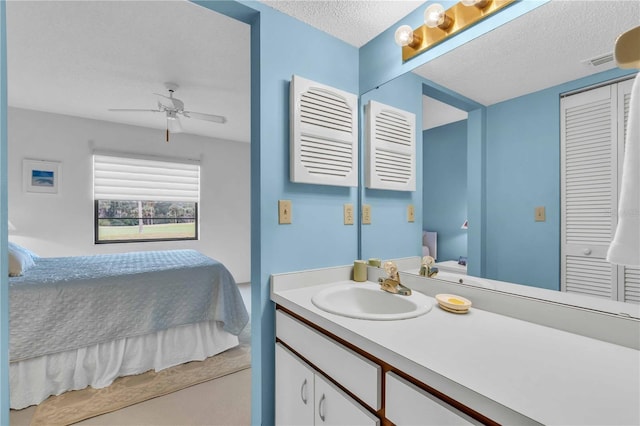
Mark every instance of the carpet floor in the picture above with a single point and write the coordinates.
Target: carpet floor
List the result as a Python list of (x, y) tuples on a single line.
[(75, 406)]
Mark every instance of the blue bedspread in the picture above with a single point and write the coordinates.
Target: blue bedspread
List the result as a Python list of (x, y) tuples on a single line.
[(66, 303)]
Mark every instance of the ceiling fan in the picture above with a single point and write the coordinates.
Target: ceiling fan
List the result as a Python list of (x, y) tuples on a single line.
[(173, 108)]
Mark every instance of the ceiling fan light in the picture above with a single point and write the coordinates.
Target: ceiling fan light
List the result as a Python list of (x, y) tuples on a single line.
[(173, 124)]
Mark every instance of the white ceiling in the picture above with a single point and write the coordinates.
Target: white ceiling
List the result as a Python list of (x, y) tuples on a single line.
[(544, 48), (353, 21), (82, 58)]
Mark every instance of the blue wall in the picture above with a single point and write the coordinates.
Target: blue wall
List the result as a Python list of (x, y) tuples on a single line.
[(522, 172), (444, 189), (317, 237), (390, 235)]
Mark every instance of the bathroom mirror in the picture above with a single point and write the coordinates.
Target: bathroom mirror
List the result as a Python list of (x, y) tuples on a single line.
[(522, 170)]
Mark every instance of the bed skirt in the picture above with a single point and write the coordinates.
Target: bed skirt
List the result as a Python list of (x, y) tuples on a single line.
[(34, 380)]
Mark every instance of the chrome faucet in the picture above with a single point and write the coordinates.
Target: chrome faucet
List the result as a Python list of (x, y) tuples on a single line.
[(392, 283)]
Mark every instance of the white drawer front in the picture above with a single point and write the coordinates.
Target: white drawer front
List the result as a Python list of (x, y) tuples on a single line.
[(356, 373), (407, 404)]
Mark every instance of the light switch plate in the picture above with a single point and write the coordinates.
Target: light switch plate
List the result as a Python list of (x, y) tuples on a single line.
[(348, 214), (284, 212), (366, 214), (540, 214), (411, 213)]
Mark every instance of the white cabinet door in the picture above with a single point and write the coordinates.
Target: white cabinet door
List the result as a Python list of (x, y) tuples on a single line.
[(334, 407), (294, 389), (408, 405), (593, 129)]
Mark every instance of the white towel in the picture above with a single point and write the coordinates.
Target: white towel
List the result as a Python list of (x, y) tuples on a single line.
[(625, 247)]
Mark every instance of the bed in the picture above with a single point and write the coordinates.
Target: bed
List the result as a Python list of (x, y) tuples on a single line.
[(86, 320)]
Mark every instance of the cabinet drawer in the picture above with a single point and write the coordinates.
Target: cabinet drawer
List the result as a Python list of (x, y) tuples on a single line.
[(356, 373), (407, 404)]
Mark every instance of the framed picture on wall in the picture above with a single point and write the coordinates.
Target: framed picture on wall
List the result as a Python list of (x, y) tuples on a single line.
[(41, 177)]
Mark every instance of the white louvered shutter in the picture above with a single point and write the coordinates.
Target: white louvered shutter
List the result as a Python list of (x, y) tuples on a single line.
[(390, 155), (130, 177), (628, 277), (589, 191), (324, 134)]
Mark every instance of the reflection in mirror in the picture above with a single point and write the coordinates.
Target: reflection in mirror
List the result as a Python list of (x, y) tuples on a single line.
[(502, 162)]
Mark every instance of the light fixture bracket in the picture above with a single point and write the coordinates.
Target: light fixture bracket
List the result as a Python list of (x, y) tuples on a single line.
[(463, 17)]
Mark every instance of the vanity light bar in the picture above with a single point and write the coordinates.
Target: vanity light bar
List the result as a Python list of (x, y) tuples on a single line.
[(460, 17)]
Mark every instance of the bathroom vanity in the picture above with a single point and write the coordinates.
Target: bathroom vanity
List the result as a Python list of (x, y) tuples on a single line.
[(442, 368)]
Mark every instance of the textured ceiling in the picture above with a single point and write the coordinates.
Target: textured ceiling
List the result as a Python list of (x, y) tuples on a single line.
[(544, 48), (353, 21), (83, 57)]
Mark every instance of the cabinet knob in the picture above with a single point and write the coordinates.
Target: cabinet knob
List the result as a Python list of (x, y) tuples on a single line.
[(321, 408), (586, 251), (303, 392)]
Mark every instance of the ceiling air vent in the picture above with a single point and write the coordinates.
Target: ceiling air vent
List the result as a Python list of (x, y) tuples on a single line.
[(391, 148), (600, 60), (324, 134)]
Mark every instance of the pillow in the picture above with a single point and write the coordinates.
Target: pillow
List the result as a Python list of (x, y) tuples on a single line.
[(16, 247), (19, 262)]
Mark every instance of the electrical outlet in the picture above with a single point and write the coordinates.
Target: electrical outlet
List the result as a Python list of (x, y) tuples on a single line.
[(284, 211), (348, 214), (366, 214), (540, 214), (411, 213)]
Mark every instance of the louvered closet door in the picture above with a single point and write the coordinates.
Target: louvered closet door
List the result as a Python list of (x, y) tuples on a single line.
[(628, 277), (589, 191)]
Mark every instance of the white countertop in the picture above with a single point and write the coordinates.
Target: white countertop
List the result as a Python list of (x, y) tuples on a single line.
[(548, 375)]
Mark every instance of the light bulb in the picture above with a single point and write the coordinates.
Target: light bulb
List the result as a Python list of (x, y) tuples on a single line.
[(404, 35), (480, 4), (435, 16)]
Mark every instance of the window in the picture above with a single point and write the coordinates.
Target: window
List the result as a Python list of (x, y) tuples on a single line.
[(144, 199)]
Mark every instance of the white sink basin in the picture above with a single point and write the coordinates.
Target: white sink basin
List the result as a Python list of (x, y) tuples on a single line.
[(367, 301)]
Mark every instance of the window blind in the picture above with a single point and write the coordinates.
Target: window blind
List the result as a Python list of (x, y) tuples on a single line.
[(134, 178)]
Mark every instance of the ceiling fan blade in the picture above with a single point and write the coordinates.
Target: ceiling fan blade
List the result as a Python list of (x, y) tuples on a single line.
[(133, 110), (207, 117), (173, 124)]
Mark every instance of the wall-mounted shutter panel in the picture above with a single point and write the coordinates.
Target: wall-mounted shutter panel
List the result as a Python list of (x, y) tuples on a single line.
[(134, 178), (390, 148), (324, 134)]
